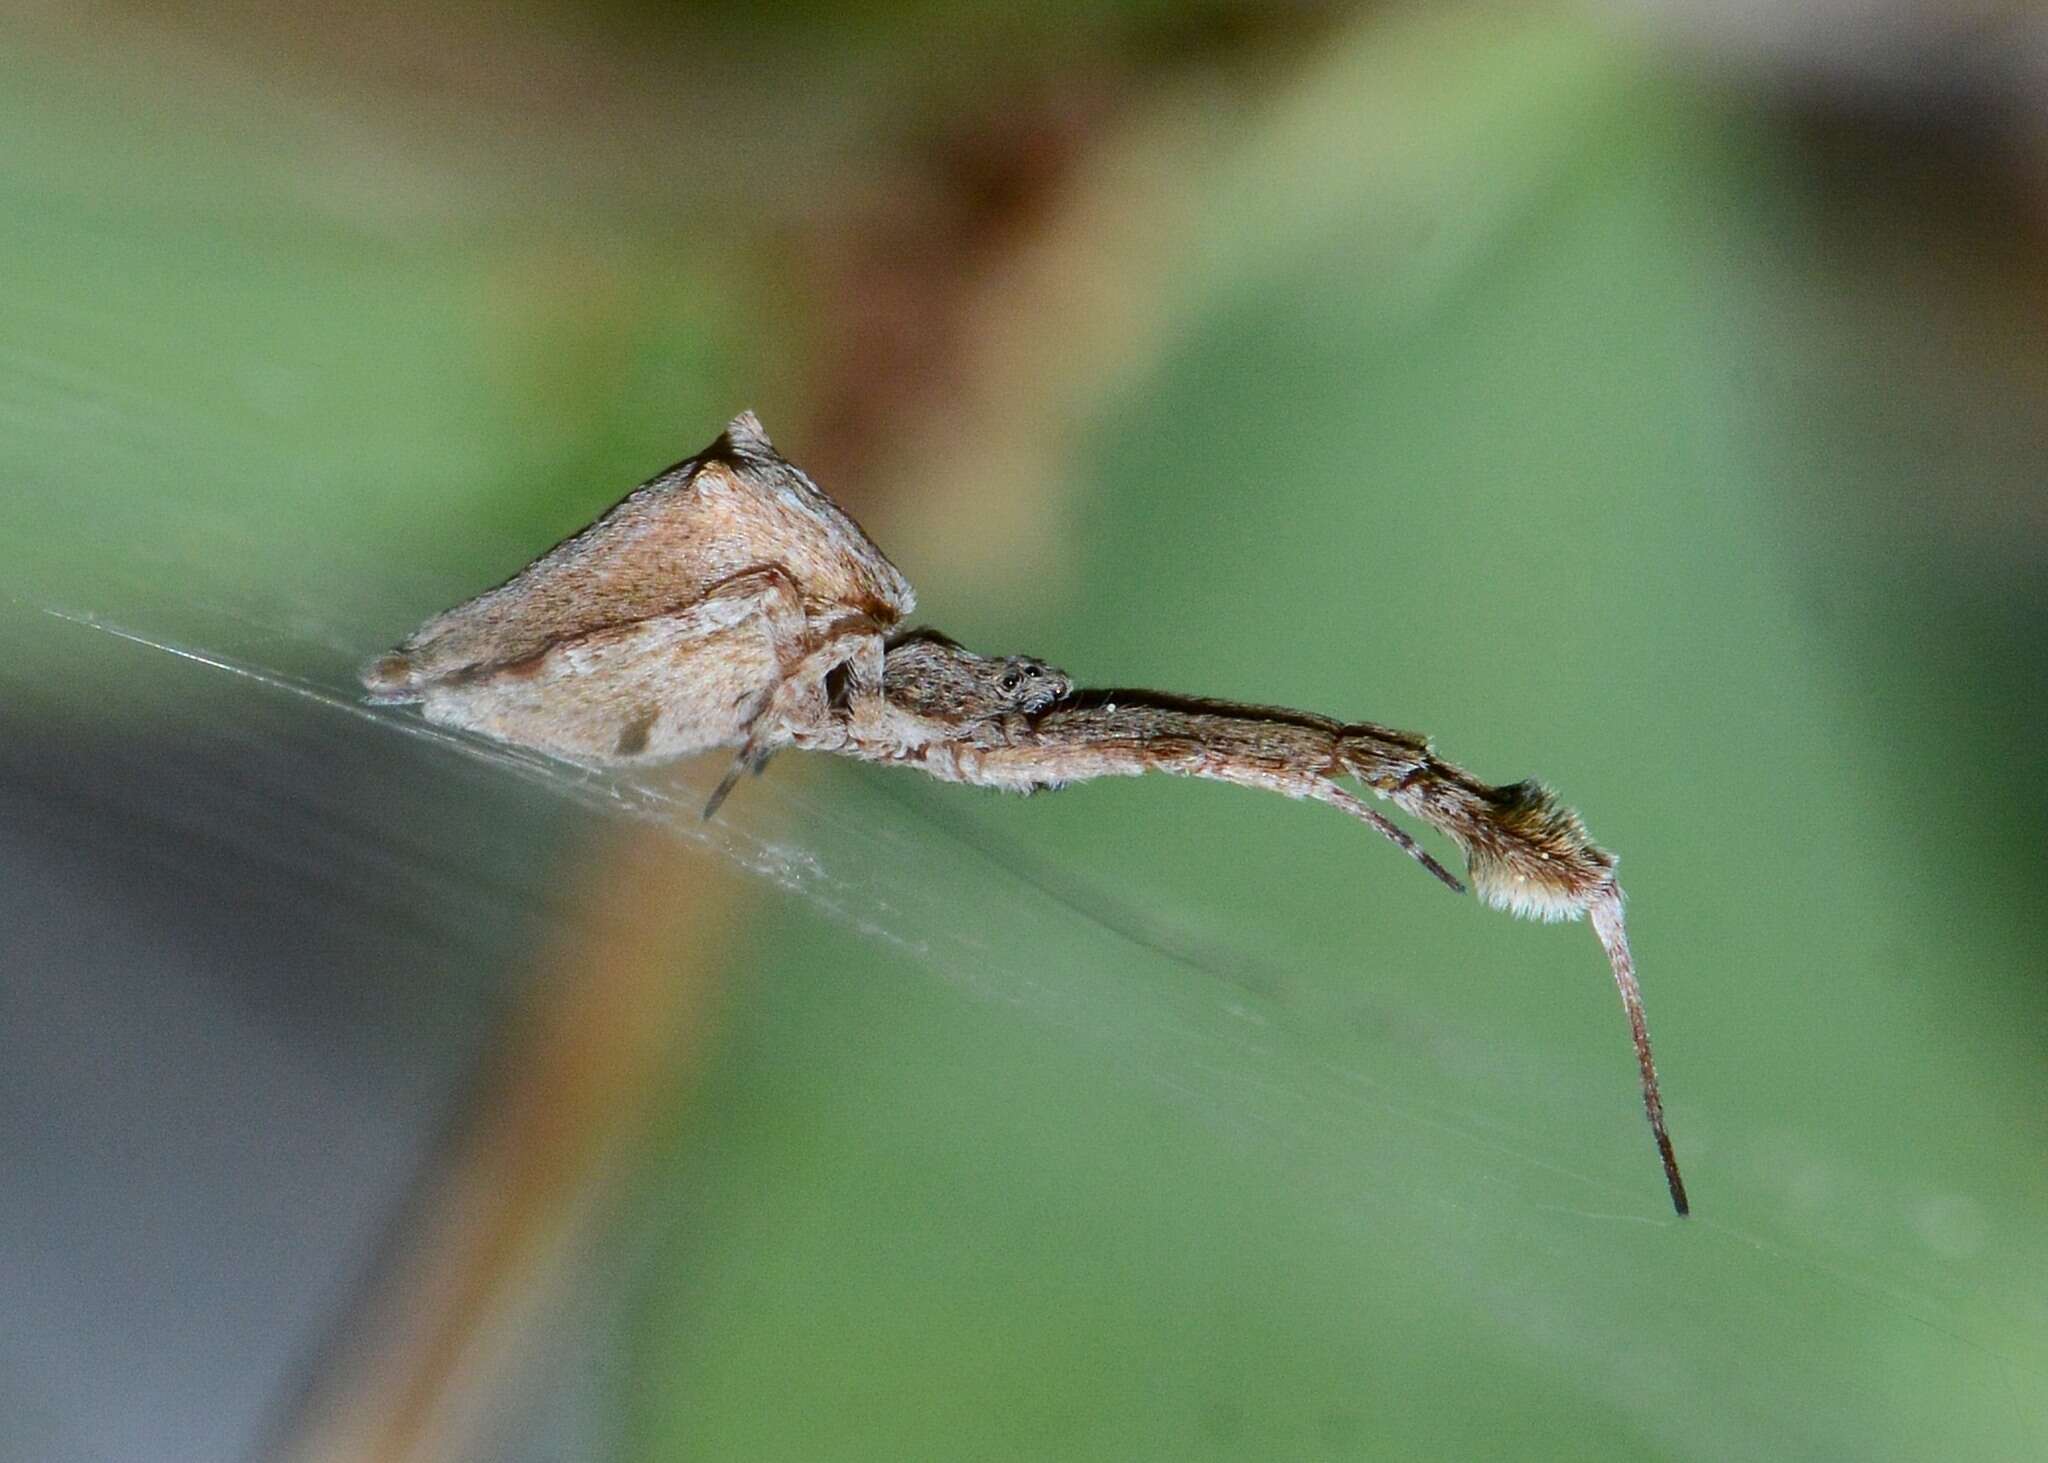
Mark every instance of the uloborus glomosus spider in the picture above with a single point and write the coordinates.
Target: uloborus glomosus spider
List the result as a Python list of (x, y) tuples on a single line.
[(728, 602)]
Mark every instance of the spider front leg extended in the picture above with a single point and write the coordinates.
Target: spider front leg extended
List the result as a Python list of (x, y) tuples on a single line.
[(1527, 852), (1129, 733)]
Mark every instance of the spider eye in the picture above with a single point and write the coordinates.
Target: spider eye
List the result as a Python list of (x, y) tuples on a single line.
[(1010, 681), (1032, 671)]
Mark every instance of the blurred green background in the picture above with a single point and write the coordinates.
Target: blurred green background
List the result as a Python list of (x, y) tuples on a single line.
[(1652, 407)]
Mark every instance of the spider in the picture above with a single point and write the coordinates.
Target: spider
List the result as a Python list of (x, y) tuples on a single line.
[(728, 602)]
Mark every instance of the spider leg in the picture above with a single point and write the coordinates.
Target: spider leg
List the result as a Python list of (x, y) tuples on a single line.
[(1605, 910), (1337, 797), (780, 607), (856, 642), (749, 759)]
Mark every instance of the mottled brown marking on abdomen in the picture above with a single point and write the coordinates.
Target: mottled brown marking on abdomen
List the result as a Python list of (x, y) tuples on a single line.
[(633, 737)]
